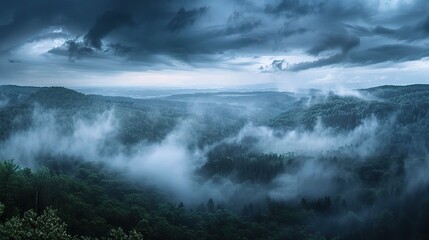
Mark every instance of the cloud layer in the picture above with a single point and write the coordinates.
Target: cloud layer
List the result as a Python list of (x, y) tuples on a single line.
[(199, 34)]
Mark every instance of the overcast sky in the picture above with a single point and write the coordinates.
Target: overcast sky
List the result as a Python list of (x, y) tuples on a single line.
[(209, 44)]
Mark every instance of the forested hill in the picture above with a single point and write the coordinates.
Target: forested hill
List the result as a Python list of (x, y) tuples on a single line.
[(218, 165), (391, 91), (347, 111), (286, 109)]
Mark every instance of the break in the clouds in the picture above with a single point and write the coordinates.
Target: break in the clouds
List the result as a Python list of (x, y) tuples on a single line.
[(292, 41)]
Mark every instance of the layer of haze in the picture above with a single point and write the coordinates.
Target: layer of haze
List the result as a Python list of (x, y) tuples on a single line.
[(170, 164)]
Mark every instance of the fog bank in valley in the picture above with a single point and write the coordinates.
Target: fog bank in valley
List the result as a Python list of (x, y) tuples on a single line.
[(324, 157)]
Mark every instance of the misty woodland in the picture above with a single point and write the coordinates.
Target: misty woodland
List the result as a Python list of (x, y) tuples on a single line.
[(229, 119)]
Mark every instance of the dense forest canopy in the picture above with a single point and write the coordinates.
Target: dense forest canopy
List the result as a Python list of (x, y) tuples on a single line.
[(217, 165)]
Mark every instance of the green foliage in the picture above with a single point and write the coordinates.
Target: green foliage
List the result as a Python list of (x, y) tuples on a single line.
[(92, 202), (1, 208), (47, 226), (235, 163), (59, 97), (119, 234), (335, 111), (97, 204), (8, 183)]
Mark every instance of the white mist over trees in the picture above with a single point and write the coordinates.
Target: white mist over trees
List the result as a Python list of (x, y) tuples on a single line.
[(320, 153)]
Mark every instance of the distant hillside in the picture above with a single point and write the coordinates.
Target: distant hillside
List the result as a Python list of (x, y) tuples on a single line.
[(14, 94), (59, 97), (250, 164), (391, 91), (223, 112), (411, 103)]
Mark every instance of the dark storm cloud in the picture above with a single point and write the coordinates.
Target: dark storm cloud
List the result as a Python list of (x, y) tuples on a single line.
[(294, 7), (120, 49), (339, 42), (344, 42), (76, 50), (394, 53), (287, 31), (207, 33), (185, 18), (108, 22), (334, 59), (386, 53), (238, 23), (383, 30), (411, 32), (22, 22), (417, 30)]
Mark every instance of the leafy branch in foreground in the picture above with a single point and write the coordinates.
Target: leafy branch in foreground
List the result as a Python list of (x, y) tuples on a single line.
[(50, 227)]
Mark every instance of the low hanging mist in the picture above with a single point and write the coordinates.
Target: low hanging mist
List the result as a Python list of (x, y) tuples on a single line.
[(238, 149)]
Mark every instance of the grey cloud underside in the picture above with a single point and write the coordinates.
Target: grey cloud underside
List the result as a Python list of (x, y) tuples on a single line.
[(185, 18), (108, 22), (203, 33), (293, 8), (374, 55)]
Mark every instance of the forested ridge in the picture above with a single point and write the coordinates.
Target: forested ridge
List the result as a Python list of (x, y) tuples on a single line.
[(256, 165)]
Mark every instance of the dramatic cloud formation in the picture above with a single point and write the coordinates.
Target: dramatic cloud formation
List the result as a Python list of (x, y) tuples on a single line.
[(185, 18), (135, 36), (203, 153), (105, 24)]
